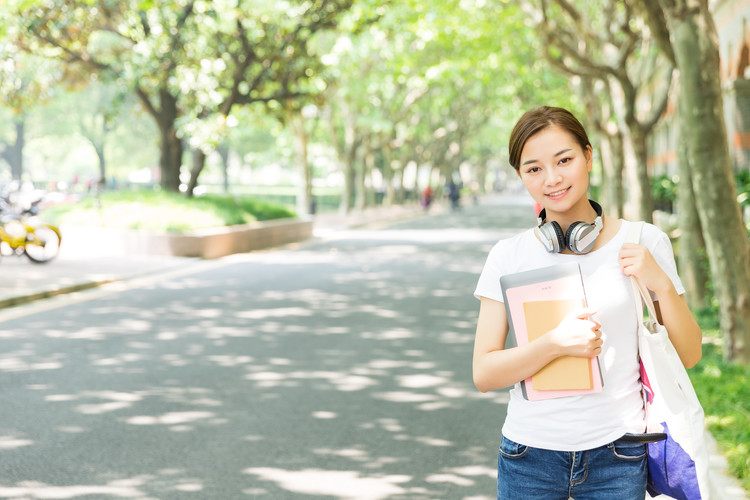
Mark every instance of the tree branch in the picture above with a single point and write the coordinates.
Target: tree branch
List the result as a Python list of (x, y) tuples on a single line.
[(653, 13)]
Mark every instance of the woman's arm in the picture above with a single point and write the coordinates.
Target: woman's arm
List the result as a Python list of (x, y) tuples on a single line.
[(495, 367), (673, 312), (671, 309)]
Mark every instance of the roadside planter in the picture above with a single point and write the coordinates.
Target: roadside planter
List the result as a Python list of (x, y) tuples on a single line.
[(205, 243)]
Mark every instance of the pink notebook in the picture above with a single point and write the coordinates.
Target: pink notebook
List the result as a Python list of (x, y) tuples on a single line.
[(536, 301)]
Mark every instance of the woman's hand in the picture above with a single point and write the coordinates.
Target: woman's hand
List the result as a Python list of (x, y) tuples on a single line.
[(672, 309), (636, 260), (578, 335)]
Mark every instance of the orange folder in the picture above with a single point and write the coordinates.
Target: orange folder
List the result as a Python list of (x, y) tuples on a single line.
[(564, 373)]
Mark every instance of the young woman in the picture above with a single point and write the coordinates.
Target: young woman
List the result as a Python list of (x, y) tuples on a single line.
[(576, 446)]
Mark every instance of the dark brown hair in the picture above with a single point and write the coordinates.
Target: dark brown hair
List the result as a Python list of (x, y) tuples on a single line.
[(536, 120)]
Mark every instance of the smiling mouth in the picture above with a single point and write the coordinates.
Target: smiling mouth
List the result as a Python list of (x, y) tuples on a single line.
[(557, 194)]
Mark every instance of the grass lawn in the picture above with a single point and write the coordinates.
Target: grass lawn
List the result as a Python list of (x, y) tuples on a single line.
[(724, 392), (163, 212)]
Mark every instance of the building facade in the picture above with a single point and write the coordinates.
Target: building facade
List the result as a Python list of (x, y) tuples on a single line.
[(731, 18)]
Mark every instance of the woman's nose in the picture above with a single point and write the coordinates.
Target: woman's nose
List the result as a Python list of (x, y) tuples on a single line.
[(552, 176)]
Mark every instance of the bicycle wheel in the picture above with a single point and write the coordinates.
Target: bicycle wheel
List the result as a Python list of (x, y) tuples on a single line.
[(42, 244)]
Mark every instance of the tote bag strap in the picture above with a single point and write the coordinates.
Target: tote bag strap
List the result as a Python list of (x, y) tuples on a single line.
[(634, 236)]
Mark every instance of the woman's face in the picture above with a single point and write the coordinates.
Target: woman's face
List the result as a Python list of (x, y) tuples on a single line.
[(555, 169)]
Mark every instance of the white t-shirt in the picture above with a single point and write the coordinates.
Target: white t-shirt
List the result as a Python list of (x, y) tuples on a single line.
[(577, 423)]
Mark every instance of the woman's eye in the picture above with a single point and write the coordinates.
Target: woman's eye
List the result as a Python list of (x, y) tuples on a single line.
[(565, 160), (533, 170)]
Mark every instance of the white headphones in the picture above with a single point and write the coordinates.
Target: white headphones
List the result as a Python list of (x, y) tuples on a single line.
[(580, 237)]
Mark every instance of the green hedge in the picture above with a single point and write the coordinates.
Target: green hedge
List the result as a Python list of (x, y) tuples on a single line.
[(161, 211)]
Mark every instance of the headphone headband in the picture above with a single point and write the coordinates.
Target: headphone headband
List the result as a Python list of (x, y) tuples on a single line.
[(580, 237), (597, 222)]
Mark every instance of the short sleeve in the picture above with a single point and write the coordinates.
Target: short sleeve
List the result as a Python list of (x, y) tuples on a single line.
[(489, 281), (663, 253)]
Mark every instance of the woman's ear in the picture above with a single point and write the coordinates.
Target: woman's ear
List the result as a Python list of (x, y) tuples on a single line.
[(589, 154)]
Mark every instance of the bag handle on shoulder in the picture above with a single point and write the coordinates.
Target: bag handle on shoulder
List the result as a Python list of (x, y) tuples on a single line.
[(634, 236)]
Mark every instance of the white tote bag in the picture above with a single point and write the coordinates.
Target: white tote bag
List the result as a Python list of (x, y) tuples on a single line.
[(678, 465)]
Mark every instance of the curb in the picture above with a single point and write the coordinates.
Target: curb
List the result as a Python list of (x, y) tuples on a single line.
[(54, 292)]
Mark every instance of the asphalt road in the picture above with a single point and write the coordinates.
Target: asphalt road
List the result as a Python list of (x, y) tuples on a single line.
[(336, 369)]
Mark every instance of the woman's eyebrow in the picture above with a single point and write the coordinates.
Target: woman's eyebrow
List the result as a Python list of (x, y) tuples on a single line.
[(566, 150)]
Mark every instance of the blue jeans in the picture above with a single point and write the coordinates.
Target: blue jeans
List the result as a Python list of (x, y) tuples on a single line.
[(615, 471)]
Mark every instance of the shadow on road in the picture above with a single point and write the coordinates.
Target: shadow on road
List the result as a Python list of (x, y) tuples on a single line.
[(339, 369)]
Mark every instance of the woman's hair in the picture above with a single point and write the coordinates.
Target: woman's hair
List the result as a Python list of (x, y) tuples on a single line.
[(537, 119)]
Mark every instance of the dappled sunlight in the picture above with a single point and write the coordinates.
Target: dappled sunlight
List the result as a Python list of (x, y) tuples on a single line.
[(130, 487), (457, 338), (324, 414), (169, 419), (116, 401), (95, 409), (281, 312), (119, 360), (310, 296), (10, 442), (404, 397), (420, 381), (228, 360), (360, 277), (34, 490), (345, 485), (424, 236), (392, 334), (339, 381), (86, 333), (340, 370), (432, 441), (28, 360), (381, 312)]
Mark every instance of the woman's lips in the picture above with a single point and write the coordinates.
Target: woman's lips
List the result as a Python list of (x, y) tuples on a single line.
[(557, 194)]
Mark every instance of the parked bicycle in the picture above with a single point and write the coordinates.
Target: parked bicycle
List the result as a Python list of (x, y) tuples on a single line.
[(22, 233)]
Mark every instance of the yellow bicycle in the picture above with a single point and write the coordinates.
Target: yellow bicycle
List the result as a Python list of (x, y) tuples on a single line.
[(23, 234)]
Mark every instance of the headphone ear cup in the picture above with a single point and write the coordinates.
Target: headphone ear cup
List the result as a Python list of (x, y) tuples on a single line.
[(581, 237), (552, 237)]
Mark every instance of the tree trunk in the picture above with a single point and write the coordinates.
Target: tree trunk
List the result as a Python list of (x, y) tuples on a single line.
[(695, 46), (199, 163), (304, 187), (389, 198), (170, 154), (691, 261), (170, 159), (102, 164), (346, 149), (692, 247), (599, 109), (645, 201), (631, 202), (613, 195), (13, 154), (223, 151), (360, 173)]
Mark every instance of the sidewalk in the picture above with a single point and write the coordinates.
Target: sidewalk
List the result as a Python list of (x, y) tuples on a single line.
[(80, 267)]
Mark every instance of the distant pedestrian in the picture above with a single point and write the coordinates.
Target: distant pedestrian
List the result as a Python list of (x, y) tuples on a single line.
[(592, 445), (454, 194), (427, 197)]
